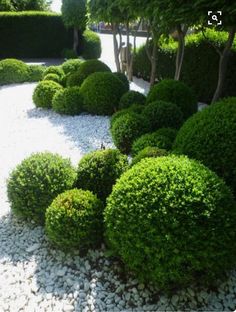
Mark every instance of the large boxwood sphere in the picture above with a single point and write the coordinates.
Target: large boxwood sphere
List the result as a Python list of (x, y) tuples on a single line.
[(44, 92), (68, 101), (99, 170), (130, 98), (162, 114), (135, 108), (71, 66), (75, 220), (172, 221), (210, 136), (102, 93), (36, 181), (175, 92), (13, 71), (123, 78)]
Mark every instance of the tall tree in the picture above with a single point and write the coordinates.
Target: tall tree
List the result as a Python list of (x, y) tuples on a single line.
[(25, 5)]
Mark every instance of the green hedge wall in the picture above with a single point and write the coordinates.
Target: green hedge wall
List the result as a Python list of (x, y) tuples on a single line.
[(33, 35), (200, 66)]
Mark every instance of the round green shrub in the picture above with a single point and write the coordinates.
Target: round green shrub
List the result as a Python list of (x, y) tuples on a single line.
[(36, 181), (128, 128), (172, 221), (149, 152), (53, 77), (170, 133), (99, 170), (87, 68), (153, 139), (54, 70), (13, 71), (68, 101), (130, 98), (135, 108), (44, 92), (75, 220), (175, 92), (92, 48), (69, 54), (123, 78), (71, 66), (36, 72), (210, 136), (102, 92), (162, 114)]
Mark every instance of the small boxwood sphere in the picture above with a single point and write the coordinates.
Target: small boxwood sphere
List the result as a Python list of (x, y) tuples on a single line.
[(102, 93), (175, 92), (44, 92), (35, 182), (87, 68), (172, 221), (210, 136), (149, 152), (54, 70), (36, 72), (162, 114), (74, 220), (153, 139), (13, 71), (123, 78), (135, 108), (68, 101), (128, 128), (52, 77), (99, 170), (71, 66), (130, 98)]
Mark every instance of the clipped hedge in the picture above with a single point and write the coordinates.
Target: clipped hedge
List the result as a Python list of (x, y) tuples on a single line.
[(91, 45), (68, 101)]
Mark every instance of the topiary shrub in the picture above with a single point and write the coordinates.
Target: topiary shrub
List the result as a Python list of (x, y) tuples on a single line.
[(69, 54), (99, 170), (168, 132), (75, 220), (54, 70), (210, 136), (71, 66), (149, 152), (35, 182), (175, 92), (130, 98), (162, 114), (153, 139), (172, 221), (123, 78), (86, 69), (135, 108), (36, 72), (13, 71), (92, 48), (128, 128), (68, 101), (102, 93), (53, 77), (44, 92)]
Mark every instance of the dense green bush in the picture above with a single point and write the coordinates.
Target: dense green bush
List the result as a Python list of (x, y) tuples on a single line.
[(128, 128), (99, 170), (163, 114), (71, 66), (68, 101), (13, 71), (102, 92), (33, 35), (135, 108), (210, 136), (35, 182), (149, 152), (172, 221), (86, 69), (91, 43), (153, 139), (175, 92), (44, 92), (130, 98), (168, 132), (36, 72), (123, 78), (54, 70), (52, 77), (75, 220)]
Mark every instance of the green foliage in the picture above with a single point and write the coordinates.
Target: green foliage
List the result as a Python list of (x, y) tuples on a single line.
[(126, 129), (91, 43), (99, 170), (33, 35), (27, 5), (68, 101), (87, 68), (149, 152), (162, 114), (74, 13), (153, 139), (130, 98), (135, 108), (36, 72), (168, 132), (52, 77), (54, 70), (71, 66), (44, 92), (35, 182), (172, 222), (102, 92), (175, 92), (74, 220), (210, 136), (123, 78), (6, 5), (13, 71)]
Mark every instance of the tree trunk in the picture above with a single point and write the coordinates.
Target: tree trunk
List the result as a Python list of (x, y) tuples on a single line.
[(153, 63), (76, 40), (223, 64), (128, 52), (180, 52), (116, 47)]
